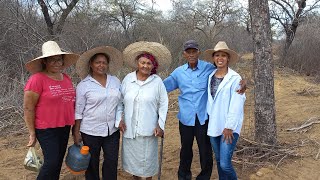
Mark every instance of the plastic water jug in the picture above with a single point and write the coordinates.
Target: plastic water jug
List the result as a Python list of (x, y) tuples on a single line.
[(78, 159)]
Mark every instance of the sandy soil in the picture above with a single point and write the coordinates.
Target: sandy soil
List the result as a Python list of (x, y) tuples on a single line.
[(297, 100)]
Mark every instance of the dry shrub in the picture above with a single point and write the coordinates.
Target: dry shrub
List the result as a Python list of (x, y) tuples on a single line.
[(303, 55)]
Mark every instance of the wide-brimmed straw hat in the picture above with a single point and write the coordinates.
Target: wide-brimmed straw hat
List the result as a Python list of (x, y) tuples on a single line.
[(115, 60), (159, 51), (51, 48), (221, 46)]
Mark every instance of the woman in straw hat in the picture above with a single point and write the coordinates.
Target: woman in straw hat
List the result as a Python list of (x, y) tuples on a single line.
[(145, 106), (49, 106), (225, 107), (97, 97)]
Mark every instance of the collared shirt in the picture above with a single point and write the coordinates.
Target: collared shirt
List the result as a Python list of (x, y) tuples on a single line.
[(192, 84), (145, 105), (96, 105), (226, 108)]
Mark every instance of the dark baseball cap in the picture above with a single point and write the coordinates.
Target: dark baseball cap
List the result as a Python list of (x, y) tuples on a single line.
[(190, 44)]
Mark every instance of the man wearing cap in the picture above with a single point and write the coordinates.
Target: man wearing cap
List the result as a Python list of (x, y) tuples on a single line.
[(192, 79)]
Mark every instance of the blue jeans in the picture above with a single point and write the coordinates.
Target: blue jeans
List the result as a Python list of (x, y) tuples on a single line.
[(223, 153), (53, 142)]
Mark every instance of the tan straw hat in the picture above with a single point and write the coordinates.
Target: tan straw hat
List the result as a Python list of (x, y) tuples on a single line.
[(115, 60), (159, 51), (221, 46), (51, 48)]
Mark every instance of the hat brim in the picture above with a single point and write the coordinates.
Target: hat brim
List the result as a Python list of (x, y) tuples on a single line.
[(234, 57), (115, 61), (35, 65), (159, 51)]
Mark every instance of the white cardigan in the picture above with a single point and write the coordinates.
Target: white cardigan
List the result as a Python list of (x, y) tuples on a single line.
[(226, 108)]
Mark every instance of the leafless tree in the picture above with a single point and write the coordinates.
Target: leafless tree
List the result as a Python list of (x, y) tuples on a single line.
[(55, 13), (123, 14), (289, 14), (209, 17), (265, 121)]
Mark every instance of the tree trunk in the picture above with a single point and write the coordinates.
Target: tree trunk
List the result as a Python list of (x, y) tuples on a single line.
[(292, 28), (265, 122), (46, 16), (50, 22)]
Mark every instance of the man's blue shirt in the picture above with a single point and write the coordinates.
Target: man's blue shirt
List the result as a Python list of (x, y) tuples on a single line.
[(192, 84)]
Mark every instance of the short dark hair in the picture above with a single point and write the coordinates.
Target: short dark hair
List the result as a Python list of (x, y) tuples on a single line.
[(221, 51), (95, 57), (98, 54)]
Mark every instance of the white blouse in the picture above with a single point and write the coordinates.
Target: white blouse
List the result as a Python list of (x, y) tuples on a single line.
[(144, 105), (96, 105)]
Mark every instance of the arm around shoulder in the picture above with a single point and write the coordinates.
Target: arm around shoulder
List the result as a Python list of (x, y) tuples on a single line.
[(170, 82)]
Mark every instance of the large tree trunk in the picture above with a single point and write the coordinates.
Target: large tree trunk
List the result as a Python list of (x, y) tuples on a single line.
[(265, 122)]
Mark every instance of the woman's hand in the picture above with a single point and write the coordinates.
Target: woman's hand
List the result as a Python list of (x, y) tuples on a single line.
[(228, 135), (76, 132), (32, 140), (243, 84), (77, 138), (158, 131), (122, 126)]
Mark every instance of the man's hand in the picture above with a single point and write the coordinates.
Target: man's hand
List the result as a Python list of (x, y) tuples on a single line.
[(243, 88), (228, 135)]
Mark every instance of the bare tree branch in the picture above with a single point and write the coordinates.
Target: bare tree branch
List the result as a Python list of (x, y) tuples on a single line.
[(46, 15), (64, 15)]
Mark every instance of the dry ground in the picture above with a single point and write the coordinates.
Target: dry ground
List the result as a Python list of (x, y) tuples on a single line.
[(297, 100)]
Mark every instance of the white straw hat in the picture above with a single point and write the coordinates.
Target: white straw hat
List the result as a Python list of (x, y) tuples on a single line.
[(51, 48), (221, 46), (159, 51), (115, 60)]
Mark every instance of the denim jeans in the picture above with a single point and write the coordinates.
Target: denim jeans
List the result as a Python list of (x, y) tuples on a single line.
[(223, 153), (187, 135), (110, 147), (53, 142)]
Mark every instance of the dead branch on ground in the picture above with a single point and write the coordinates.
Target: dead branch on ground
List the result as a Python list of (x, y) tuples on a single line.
[(307, 124), (253, 153)]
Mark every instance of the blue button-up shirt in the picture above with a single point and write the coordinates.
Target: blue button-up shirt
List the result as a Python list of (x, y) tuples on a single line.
[(193, 97)]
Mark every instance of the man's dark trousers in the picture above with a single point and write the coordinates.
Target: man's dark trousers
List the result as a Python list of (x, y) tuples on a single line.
[(187, 134)]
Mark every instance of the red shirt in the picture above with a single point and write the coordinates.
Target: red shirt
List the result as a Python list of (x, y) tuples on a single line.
[(55, 107)]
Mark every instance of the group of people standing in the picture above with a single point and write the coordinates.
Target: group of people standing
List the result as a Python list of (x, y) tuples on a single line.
[(211, 104)]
